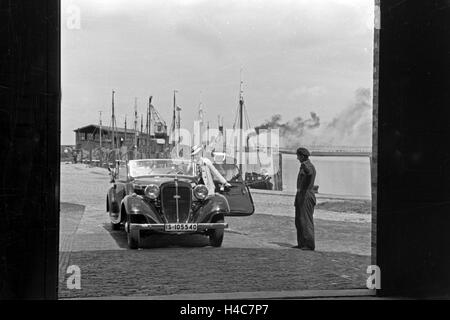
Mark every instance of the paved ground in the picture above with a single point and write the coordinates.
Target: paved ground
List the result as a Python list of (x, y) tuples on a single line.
[(256, 254)]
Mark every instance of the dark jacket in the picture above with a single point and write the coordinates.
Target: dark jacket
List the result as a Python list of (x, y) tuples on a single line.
[(305, 183)]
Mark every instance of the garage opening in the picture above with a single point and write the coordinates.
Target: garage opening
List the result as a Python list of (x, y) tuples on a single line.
[(250, 83)]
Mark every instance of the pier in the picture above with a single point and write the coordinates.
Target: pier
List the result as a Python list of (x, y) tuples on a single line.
[(333, 151)]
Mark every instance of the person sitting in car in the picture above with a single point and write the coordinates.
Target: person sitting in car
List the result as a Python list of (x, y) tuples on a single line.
[(207, 170)]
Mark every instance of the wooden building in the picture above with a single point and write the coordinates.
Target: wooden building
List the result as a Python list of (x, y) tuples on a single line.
[(93, 140)]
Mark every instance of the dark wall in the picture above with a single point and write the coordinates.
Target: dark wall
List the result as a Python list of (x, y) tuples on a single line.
[(413, 218), (29, 148), (413, 159)]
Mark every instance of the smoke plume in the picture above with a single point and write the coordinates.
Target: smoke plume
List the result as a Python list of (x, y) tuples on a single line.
[(352, 127), (291, 130)]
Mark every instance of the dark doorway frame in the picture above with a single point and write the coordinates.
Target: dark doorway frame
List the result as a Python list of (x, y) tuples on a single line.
[(410, 170)]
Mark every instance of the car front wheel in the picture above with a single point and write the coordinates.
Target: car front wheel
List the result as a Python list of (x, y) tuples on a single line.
[(133, 241), (115, 226), (111, 212), (132, 237), (216, 236)]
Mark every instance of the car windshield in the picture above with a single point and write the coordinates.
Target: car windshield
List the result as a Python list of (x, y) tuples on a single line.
[(160, 167)]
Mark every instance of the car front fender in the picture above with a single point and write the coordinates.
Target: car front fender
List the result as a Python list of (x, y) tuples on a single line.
[(212, 206), (135, 205)]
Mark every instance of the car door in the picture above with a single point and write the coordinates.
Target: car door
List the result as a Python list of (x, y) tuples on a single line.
[(118, 189), (122, 180), (238, 195)]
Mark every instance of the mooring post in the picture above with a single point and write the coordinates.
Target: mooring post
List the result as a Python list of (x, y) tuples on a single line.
[(279, 182)]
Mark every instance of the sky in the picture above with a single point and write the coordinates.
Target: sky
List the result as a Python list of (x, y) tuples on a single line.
[(296, 57)]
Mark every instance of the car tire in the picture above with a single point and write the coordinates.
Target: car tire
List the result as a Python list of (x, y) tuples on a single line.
[(132, 238), (216, 236), (133, 241), (115, 226)]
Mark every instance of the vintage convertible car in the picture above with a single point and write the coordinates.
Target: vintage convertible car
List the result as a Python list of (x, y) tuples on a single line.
[(165, 196)]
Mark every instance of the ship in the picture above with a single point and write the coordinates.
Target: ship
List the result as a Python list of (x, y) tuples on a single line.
[(256, 175)]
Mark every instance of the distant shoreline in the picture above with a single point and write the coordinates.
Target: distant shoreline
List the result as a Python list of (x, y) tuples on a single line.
[(334, 153)]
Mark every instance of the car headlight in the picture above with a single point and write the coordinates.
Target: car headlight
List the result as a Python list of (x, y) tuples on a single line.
[(200, 192), (152, 191)]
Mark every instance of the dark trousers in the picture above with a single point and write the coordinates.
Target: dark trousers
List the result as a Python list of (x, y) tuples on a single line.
[(304, 223)]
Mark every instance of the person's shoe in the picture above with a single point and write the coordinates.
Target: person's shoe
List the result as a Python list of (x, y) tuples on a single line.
[(295, 247), (306, 249)]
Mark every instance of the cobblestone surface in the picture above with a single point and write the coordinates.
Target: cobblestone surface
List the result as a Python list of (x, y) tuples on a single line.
[(283, 205), (331, 236), (202, 270), (71, 215), (256, 254)]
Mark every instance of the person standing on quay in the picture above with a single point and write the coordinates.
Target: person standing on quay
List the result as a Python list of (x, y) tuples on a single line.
[(305, 201)]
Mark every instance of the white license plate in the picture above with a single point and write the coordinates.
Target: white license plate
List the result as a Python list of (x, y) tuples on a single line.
[(180, 227)]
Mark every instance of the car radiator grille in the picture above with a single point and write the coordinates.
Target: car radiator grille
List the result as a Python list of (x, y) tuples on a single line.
[(169, 193)]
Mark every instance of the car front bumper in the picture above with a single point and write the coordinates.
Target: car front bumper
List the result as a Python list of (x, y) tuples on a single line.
[(160, 227)]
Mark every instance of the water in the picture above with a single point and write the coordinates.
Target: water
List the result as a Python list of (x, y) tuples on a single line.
[(343, 176)]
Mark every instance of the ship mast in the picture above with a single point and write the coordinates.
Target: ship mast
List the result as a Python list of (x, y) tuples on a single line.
[(150, 123), (135, 128), (201, 116), (241, 115), (125, 136), (178, 124), (151, 129), (207, 133), (241, 121), (221, 132), (174, 118), (100, 122), (147, 137), (113, 123)]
